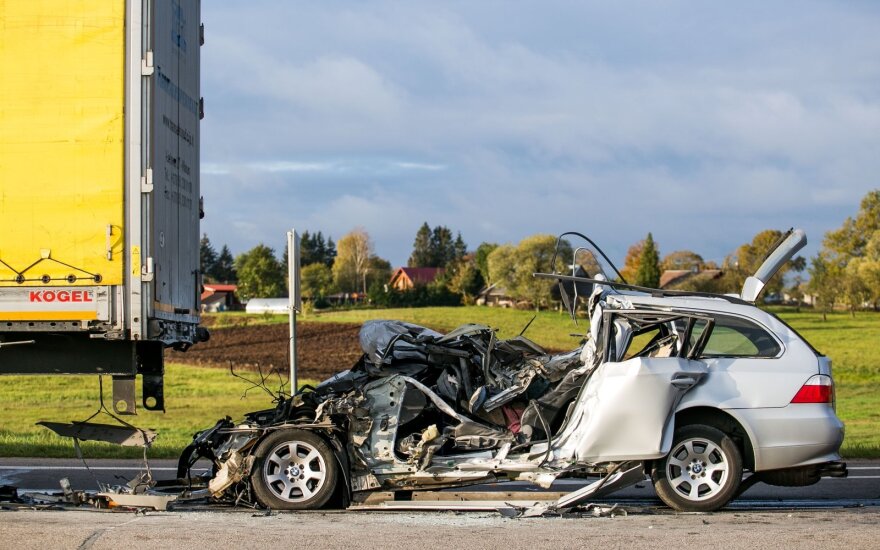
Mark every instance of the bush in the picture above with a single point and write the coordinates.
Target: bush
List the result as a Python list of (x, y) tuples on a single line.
[(418, 296)]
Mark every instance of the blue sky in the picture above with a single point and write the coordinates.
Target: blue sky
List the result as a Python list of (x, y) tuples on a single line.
[(702, 122)]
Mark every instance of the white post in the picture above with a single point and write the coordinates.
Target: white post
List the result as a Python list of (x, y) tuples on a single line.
[(295, 299)]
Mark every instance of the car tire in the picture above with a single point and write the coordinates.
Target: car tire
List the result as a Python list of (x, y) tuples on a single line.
[(294, 470), (701, 473)]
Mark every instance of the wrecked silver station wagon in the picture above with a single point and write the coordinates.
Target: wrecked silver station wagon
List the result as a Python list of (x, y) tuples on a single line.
[(690, 389)]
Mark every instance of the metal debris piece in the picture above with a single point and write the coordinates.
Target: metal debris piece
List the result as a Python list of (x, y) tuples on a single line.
[(156, 502), (126, 436), (233, 470), (8, 493)]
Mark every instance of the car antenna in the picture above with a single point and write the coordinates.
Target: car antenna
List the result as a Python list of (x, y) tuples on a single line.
[(525, 328)]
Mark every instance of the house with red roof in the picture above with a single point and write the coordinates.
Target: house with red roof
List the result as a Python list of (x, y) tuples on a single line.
[(217, 297), (405, 278)]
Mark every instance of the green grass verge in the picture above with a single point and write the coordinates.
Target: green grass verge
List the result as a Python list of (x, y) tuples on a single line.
[(196, 397)]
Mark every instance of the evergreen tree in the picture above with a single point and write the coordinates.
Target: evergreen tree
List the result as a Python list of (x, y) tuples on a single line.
[(459, 247), (224, 267), (207, 257), (306, 251), (442, 247), (329, 252), (422, 253), (313, 249), (648, 273)]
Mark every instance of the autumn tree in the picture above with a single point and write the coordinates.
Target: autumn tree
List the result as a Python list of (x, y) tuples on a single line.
[(513, 267), (825, 283), (630, 267), (648, 273), (481, 259), (260, 274), (867, 268), (854, 254), (467, 281), (501, 263), (354, 252), (316, 280), (747, 258), (851, 240)]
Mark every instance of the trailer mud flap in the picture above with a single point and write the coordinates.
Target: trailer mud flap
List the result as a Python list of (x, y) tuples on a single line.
[(151, 365)]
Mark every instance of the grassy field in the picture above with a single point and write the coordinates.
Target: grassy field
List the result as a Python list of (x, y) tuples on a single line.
[(197, 397)]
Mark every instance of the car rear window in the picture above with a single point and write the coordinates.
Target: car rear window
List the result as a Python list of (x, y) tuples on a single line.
[(735, 337)]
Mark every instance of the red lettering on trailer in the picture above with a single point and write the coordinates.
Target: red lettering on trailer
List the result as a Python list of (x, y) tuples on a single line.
[(47, 296)]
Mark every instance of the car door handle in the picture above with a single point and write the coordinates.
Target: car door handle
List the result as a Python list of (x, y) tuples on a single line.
[(683, 382)]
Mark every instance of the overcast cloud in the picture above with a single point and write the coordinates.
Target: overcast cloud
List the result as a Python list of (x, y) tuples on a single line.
[(703, 122)]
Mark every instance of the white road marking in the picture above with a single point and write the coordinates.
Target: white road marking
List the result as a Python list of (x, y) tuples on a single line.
[(33, 468)]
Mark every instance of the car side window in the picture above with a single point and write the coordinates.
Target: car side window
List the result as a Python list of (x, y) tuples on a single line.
[(735, 337)]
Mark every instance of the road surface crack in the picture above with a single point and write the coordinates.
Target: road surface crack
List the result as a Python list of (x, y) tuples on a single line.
[(90, 540)]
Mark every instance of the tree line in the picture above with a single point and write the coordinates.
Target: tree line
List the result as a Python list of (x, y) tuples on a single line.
[(846, 271)]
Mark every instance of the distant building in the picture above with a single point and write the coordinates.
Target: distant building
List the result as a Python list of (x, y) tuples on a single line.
[(404, 278), (494, 295), (342, 298), (220, 298), (268, 305)]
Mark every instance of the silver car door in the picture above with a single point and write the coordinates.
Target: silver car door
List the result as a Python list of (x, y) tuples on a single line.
[(625, 410)]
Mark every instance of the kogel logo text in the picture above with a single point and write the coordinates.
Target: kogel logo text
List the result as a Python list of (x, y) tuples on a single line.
[(49, 296)]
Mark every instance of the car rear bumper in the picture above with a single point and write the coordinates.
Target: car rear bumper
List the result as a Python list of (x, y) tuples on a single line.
[(792, 436)]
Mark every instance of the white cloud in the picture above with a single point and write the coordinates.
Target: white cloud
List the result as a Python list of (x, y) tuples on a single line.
[(703, 124)]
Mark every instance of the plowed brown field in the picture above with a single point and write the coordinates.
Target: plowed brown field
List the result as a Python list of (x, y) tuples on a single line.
[(322, 348)]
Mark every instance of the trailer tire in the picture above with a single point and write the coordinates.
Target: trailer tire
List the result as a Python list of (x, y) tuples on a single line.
[(294, 470)]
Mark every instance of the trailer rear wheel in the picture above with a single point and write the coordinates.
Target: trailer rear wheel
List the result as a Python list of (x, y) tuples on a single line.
[(294, 470)]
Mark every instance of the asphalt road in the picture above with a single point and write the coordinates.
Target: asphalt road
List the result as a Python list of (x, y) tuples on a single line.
[(835, 513), (863, 483), (849, 529)]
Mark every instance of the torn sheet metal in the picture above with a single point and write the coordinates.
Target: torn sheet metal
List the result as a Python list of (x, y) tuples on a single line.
[(127, 500), (126, 436)]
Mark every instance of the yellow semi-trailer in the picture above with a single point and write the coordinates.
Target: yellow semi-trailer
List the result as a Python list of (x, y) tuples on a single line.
[(99, 188)]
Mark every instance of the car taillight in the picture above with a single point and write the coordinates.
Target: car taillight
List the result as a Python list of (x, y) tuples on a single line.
[(818, 389)]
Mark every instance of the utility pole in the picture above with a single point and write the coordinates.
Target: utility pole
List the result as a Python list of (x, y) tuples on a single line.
[(295, 299)]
